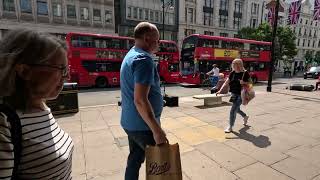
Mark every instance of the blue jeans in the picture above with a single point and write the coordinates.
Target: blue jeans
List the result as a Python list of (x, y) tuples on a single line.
[(138, 140), (236, 109), (214, 80)]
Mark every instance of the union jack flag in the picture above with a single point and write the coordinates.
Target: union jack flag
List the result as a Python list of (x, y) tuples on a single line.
[(294, 12), (271, 15), (316, 12)]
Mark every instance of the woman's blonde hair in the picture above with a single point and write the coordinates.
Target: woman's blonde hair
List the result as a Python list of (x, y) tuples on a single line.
[(237, 62), (23, 46)]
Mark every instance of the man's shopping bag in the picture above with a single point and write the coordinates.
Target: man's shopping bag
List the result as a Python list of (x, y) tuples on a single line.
[(163, 162), (247, 94)]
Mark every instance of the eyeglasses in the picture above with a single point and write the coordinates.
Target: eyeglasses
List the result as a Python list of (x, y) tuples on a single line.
[(64, 69)]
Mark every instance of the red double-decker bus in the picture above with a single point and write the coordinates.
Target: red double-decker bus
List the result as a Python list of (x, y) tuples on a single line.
[(168, 57), (95, 59), (199, 52)]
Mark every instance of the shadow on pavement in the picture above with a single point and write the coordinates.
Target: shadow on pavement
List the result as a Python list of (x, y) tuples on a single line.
[(213, 106), (260, 141)]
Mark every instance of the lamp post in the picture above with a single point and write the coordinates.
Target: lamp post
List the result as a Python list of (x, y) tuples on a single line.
[(169, 4), (274, 34)]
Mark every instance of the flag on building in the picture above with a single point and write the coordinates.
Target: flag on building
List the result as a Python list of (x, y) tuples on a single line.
[(316, 12), (271, 15), (294, 12)]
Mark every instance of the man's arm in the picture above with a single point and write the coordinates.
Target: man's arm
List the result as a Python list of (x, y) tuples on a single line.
[(145, 110)]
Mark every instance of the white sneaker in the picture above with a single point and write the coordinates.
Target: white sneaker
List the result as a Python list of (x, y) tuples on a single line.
[(228, 130), (245, 120)]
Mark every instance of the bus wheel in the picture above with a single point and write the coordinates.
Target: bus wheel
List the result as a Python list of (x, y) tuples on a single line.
[(254, 80), (101, 82)]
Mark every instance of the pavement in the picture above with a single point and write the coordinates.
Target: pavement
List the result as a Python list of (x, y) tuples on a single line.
[(282, 141)]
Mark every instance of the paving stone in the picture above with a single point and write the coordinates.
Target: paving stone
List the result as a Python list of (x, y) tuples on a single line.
[(190, 121), (117, 131), (297, 168), (225, 155), (261, 172), (199, 167), (307, 153), (191, 136), (184, 147), (213, 132)]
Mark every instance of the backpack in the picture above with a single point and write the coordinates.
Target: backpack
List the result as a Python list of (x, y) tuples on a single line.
[(16, 136)]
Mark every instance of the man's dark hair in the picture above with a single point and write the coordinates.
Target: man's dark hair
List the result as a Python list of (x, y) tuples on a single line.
[(143, 28)]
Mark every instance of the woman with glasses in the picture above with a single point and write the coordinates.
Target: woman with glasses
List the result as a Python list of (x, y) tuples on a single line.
[(33, 67)]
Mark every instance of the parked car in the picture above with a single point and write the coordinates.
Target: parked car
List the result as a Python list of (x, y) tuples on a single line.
[(313, 72)]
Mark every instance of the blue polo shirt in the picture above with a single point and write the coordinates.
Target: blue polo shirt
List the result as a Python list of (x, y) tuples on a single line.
[(138, 67)]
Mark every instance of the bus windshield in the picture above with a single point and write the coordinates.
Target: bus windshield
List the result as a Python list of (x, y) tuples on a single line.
[(189, 43)]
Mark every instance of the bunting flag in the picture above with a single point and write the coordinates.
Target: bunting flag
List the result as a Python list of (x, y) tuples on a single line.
[(294, 12), (316, 12), (271, 15)]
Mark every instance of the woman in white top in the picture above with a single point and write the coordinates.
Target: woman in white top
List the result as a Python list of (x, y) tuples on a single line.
[(33, 67)]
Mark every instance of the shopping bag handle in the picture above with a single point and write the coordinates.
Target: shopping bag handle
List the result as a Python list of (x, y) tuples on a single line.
[(167, 142)]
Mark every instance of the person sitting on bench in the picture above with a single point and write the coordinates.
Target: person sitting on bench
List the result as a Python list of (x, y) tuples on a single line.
[(219, 84)]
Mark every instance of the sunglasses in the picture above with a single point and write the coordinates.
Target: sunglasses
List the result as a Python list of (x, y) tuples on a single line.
[(64, 69)]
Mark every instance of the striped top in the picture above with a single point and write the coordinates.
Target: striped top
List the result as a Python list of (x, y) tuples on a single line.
[(46, 149)]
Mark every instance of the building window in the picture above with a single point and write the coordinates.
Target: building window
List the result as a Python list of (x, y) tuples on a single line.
[(188, 32), (8, 5), (42, 8), (151, 16), (306, 22), (84, 13), (303, 42), (208, 3), (129, 12), (314, 43), (208, 19), (308, 43), (190, 15), (96, 14), (135, 12), (160, 17), (315, 34), (298, 42), (146, 14), (254, 9), (319, 43), (57, 10), (71, 11), (224, 34), (210, 33), (223, 21), (25, 6), (254, 23), (238, 6), (140, 14), (299, 31), (224, 5), (157, 16), (237, 23), (108, 16)]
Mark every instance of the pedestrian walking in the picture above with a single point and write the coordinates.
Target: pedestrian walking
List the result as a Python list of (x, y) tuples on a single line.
[(33, 67), (237, 78), (142, 101), (317, 83), (214, 73)]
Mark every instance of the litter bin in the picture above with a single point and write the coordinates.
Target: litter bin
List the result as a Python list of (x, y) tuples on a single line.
[(67, 101)]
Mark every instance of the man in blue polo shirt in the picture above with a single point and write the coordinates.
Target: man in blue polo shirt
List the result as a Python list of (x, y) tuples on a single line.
[(142, 101)]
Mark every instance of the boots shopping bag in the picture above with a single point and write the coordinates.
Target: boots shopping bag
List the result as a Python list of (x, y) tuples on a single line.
[(163, 162)]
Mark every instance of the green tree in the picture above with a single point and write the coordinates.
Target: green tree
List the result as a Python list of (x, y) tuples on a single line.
[(317, 58), (308, 57), (247, 33)]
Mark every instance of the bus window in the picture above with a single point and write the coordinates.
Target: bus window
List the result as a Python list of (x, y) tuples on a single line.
[(82, 41), (189, 42), (173, 67), (101, 66)]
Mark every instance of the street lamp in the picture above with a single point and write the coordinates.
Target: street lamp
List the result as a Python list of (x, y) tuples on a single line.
[(167, 5)]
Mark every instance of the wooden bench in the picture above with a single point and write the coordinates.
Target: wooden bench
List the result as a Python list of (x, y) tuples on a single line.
[(211, 99)]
